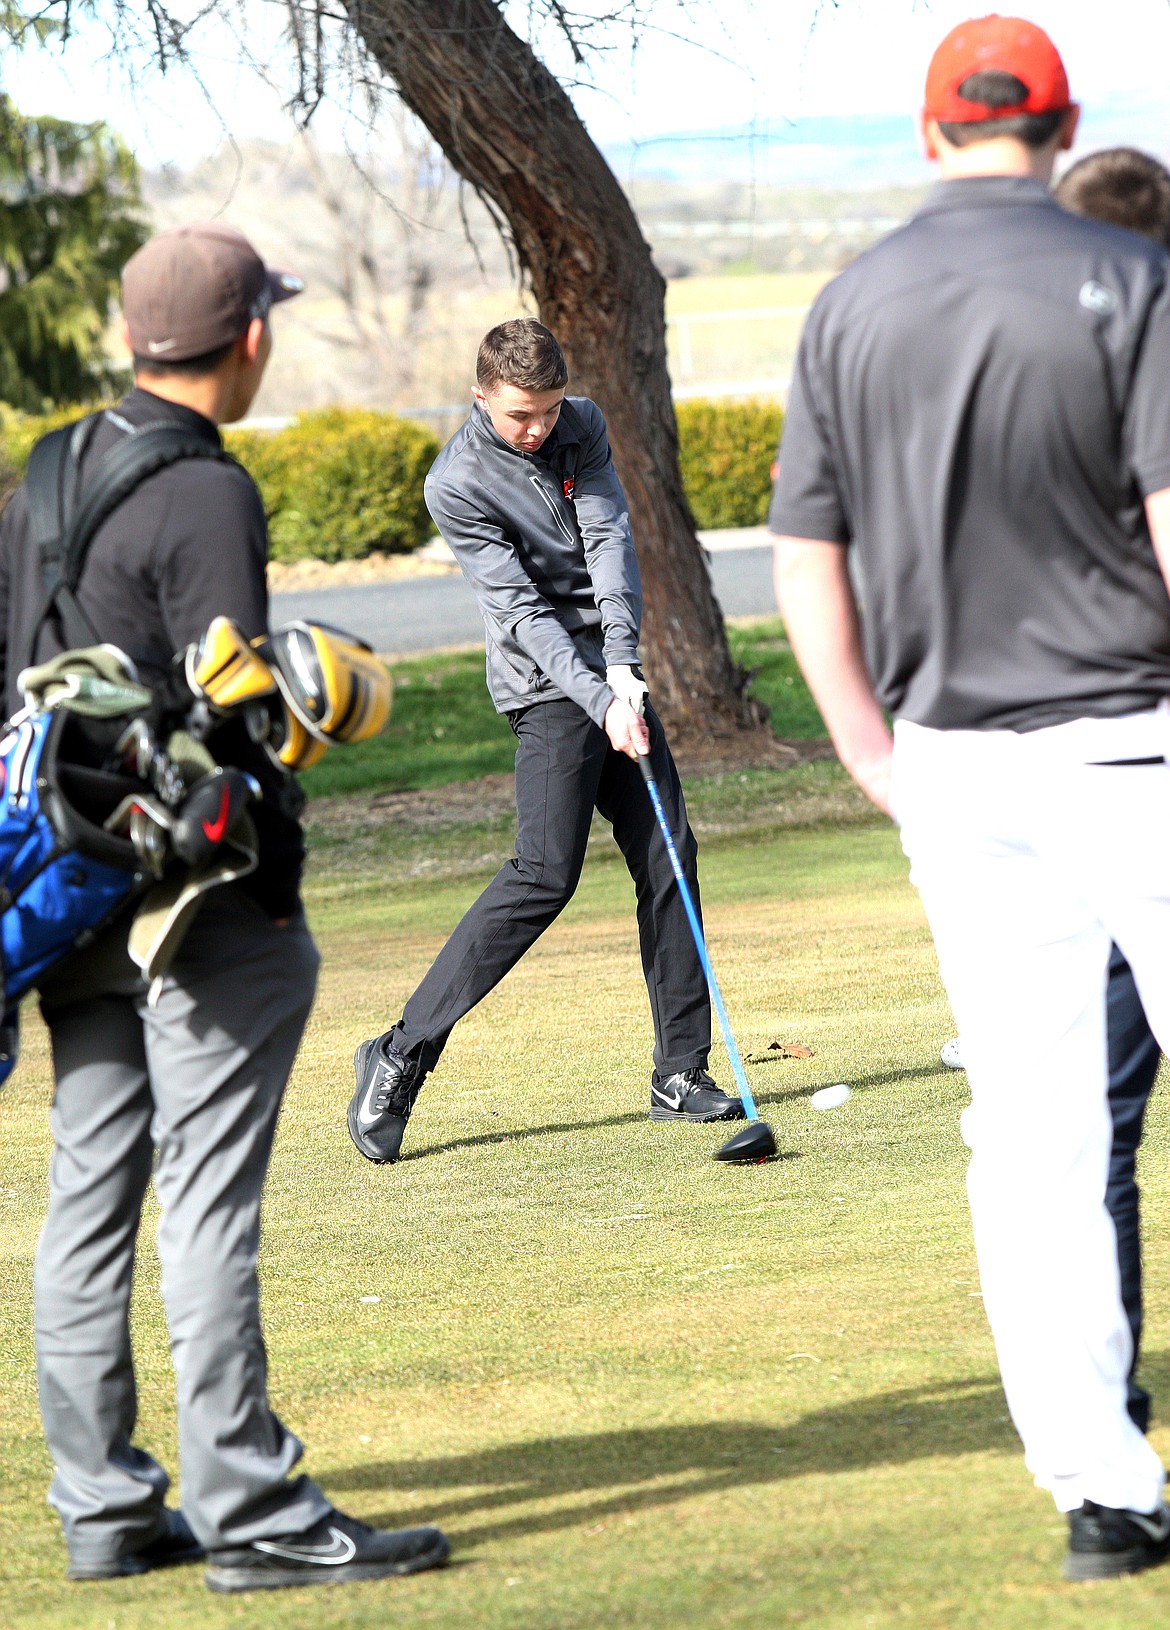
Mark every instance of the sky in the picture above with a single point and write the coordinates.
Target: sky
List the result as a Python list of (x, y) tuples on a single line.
[(705, 66)]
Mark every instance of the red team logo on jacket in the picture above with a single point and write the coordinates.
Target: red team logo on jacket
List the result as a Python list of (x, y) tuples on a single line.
[(570, 483)]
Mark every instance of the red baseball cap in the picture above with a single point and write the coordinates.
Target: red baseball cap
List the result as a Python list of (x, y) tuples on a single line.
[(1007, 45)]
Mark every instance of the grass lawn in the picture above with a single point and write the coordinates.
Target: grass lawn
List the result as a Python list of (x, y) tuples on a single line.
[(443, 727), (637, 1388)]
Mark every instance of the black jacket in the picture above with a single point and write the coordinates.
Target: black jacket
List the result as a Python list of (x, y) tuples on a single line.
[(188, 545)]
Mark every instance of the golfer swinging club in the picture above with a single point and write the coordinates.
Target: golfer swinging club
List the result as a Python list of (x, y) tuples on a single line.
[(979, 409), (526, 495)]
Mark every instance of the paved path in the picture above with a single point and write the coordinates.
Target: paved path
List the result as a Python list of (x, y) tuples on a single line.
[(426, 613)]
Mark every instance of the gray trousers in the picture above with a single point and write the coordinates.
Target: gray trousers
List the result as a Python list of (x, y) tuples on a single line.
[(198, 1077)]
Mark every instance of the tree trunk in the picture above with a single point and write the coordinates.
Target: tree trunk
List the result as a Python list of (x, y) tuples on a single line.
[(509, 129)]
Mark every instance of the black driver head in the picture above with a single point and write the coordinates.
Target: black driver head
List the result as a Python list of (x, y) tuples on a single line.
[(753, 1143)]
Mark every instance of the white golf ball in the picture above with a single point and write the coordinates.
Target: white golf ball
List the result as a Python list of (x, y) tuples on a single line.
[(830, 1097)]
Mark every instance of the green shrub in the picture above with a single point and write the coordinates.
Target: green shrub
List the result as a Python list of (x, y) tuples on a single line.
[(341, 483), (726, 451), (20, 432)]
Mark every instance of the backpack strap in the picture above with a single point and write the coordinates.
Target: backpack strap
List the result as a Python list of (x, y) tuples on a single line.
[(63, 524), (50, 486)]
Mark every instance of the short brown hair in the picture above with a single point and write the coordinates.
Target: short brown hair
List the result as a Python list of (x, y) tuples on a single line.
[(1122, 186), (995, 89), (523, 353), (189, 367)]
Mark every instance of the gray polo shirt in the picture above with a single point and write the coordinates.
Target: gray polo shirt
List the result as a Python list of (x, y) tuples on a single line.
[(980, 404)]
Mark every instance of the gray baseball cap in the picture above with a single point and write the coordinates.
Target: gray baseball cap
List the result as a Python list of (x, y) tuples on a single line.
[(195, 288)]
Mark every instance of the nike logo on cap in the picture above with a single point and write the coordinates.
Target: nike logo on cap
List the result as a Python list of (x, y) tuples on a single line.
[(341, 1549), (155, 346)]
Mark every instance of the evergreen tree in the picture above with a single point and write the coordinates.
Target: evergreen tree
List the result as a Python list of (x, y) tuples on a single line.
[(70, 218)]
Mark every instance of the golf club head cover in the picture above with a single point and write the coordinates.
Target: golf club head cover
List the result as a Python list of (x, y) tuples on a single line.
[(224, 669), (168, 909), (209, 812), (331, 682), (288, 743)]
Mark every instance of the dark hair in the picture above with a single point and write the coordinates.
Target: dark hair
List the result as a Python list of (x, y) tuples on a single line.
[(523, 353), (1123, 187), (191, 367), (995, 89)]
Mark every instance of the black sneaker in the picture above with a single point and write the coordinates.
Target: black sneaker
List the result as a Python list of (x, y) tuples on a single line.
[(691, 1095), (1104, 1543), (337, 1550), (173, 1545), (387, 1086)]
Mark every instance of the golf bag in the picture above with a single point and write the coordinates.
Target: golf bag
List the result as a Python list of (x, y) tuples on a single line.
[(109, 798), (62, 877), (64, 872)]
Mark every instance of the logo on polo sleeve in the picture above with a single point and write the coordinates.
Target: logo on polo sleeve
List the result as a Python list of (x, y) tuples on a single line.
[(1095, 297)]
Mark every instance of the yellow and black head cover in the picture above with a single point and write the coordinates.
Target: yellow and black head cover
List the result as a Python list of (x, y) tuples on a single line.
[(225, 670), (331, 683)]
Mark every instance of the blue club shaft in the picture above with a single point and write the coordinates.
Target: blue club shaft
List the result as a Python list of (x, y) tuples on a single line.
[(745, 1092)]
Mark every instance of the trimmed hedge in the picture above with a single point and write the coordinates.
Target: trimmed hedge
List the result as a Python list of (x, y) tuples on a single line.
[(340, 483), (20, 432), (337, 484), (726, 451)]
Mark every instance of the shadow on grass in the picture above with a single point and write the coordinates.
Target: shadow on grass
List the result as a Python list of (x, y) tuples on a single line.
[(860, 1083), (614, 1473), (726, 1128), (517, 1132)]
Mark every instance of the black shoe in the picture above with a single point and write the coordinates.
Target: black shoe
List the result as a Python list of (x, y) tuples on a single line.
[(335, 1551), (387, 1086), (1104, 1543), (172, 1545), (691, 1095)]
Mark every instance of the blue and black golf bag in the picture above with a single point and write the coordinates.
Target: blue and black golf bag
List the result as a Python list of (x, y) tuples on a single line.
[(62, 875), (78, 837)]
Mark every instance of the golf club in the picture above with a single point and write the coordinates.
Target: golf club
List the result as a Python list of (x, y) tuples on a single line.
[(755, 1141)]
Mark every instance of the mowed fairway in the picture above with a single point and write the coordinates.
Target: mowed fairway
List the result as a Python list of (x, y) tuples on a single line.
[(637, 1388)]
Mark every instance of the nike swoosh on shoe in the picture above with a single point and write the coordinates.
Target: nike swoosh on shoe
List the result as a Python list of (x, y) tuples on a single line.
[(366, 1114), (1156, 1525), (340, 1550)]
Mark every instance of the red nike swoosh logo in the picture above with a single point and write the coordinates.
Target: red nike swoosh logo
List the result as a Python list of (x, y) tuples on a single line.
[(213, 831)]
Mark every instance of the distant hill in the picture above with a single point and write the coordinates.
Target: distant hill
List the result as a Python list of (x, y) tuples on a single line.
[(398, 297), (850, 151)]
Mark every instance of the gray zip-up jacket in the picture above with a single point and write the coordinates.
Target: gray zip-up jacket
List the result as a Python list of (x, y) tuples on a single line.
[(544, 540)]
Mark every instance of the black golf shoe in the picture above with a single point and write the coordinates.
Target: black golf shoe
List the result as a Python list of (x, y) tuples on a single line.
[(173, 1545), (338, 1550), (387, 1086), (691, 1095), (1104, 1543)]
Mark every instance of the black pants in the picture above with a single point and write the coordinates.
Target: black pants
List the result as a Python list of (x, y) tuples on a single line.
[(1133, 1064), (565, 768)]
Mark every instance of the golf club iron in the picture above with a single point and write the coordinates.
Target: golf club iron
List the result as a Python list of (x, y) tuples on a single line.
[(756, 1141)]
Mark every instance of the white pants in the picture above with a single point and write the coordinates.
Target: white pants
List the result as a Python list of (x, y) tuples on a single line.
[(1031, 857)]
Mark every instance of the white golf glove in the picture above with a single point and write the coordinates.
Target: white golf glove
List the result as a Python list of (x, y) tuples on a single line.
[(627, 683)]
